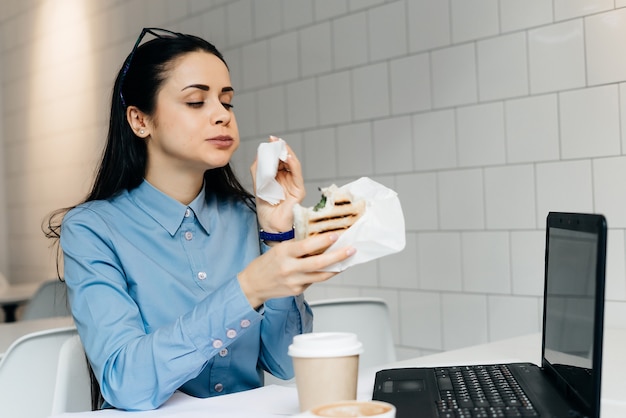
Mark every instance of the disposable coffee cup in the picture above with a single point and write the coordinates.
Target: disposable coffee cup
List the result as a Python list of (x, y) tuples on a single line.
[(326, 365), (374, 409)]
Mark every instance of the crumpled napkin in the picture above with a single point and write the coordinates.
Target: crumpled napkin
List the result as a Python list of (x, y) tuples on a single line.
[(379, 232), (269, 155)]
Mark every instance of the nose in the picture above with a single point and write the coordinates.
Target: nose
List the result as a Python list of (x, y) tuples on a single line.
[(220, 115)]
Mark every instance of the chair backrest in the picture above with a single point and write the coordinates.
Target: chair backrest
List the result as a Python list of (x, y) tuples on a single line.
[(73, 386), (368, 318), (50, 300), (28, 372)]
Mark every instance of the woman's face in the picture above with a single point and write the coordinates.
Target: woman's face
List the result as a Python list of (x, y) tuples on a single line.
[(193, 128)]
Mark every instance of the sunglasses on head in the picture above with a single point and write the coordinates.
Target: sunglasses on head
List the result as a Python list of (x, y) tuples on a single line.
[(157, 33)]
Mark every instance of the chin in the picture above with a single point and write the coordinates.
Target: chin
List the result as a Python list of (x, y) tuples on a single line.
[(212, 165), (217, 161)]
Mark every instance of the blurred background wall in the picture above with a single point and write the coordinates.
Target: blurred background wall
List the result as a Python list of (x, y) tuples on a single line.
[(4, 263), (482, 114)]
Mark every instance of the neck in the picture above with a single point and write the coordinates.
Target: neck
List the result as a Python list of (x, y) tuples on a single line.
[(182, 186)]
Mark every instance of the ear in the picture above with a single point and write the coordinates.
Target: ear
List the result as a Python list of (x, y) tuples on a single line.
[(138, 121)]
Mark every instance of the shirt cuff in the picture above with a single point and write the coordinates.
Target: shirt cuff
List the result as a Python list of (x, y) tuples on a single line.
[(211, 328), (283, 304)]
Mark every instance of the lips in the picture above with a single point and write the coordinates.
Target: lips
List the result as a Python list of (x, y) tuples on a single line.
[(222, 140)]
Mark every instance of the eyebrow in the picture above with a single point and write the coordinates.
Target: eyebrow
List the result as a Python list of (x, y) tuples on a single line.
[(204, 87)]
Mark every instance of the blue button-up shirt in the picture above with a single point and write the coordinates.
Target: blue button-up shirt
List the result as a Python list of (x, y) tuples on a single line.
[(154, 293)]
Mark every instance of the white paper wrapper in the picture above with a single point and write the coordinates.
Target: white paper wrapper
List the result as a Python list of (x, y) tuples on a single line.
[(379, 232), (269, 154)]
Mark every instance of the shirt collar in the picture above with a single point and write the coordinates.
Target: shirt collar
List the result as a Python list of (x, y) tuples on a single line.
[(169, 212), (200, 208)]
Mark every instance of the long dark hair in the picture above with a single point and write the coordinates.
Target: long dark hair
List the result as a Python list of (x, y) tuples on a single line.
[(123, 162), (124, 158)]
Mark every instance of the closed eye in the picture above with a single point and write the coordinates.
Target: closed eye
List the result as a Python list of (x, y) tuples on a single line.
[(197, 105)]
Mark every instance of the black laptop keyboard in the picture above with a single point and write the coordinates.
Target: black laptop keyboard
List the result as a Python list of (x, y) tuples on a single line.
[(481, 391)]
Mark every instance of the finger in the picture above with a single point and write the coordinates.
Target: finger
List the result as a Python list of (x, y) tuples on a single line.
[(316, 263), (292, 162), (318, 245), (293, 172), (312, 245), (317, 277), (283, 166)]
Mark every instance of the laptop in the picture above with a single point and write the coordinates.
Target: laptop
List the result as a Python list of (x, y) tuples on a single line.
[(567, 384)]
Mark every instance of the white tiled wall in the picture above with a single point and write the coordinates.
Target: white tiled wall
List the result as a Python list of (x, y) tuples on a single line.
[(502, 67), (482, 115), (556, 57), (532, 129), (606, 60), (590, 125), (453, 75)]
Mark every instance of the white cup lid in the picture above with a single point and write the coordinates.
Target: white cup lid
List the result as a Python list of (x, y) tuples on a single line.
[(325, 344)]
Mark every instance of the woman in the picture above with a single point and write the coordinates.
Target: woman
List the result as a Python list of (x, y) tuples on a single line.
[(170, 284)]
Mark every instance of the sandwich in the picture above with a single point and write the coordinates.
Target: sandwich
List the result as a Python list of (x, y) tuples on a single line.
[(337, 211)]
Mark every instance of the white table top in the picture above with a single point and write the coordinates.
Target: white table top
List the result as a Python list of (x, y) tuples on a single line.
[(279, 401), (9, 332)]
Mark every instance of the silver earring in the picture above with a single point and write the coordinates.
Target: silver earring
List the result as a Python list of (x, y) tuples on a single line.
[(142, 132)]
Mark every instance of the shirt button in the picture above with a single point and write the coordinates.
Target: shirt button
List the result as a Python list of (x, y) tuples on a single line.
[(188, 235), (219, 387), (201, 275), (187, 213), (231, 333), (223, 352), (245, 323), (218, 344)]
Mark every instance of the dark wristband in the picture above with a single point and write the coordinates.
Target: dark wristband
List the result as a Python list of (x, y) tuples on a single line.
[(278, 237)]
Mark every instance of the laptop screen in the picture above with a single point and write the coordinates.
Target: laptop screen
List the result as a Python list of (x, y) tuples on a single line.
[(573, 306)]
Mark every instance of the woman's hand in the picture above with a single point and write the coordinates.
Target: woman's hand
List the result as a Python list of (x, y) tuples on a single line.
[(286, 270), (279, 218)]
